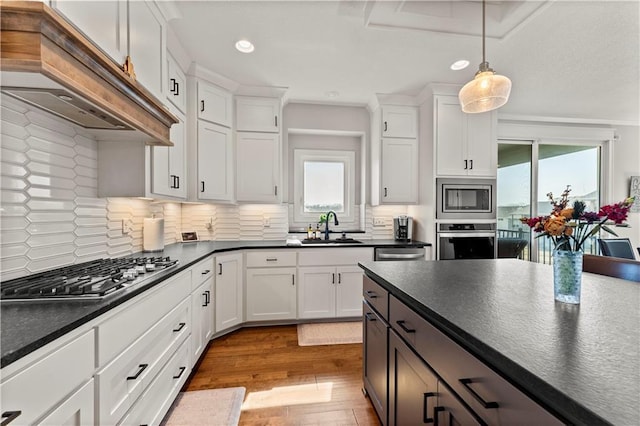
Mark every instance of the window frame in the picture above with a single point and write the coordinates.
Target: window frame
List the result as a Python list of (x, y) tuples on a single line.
[(347, 158)]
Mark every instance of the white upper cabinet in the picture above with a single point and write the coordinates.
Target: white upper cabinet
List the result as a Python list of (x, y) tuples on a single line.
[(254, 114), (215, 162), (147, 45), (214, 104), (258, 167), (399, 121), (121, 28), (176, 85), (105, 23), (466, 144), (169, 164), (399, 171)]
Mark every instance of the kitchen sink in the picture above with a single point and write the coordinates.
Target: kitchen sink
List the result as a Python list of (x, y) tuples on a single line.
[(336, 242)]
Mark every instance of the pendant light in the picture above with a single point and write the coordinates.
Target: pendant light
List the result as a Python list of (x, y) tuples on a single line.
[(488, 90)]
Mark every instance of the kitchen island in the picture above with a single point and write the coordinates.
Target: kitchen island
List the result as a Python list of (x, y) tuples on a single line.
[(579, 362)]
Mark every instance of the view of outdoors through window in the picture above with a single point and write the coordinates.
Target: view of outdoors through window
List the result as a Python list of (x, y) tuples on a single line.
[(323, 186), (558, 166)]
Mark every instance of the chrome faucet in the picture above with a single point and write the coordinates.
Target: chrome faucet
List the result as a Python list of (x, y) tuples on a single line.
[(335, 222)]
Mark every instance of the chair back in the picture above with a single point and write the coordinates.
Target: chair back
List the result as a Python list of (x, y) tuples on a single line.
[(612, 267), (616, 247)]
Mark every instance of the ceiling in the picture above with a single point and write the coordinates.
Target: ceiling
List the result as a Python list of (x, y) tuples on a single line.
[(567, 59)]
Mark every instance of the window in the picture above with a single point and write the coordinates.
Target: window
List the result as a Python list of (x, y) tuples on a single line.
[(324, 180), (523, 184)]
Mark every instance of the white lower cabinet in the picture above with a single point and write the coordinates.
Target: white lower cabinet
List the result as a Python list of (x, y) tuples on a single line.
[(154, 403), (76, 410), (202, 310), (328, 292), (228, 298), (271, 294), (43, 385), (121, 382)]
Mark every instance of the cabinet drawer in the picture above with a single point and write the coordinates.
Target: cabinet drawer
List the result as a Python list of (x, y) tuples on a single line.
[(201, 272), (121, 382), (334, 256), (261, 259), (376, 296), (477, 384), (121, 329), (41, 386), (156, 400), (408, 324)]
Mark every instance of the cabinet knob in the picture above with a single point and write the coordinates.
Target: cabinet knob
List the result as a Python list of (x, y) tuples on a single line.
[(180, 373), (485, 404), (10, 416), (141, 368)]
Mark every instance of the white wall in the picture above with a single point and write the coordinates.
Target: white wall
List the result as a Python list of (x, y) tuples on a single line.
[(626, 163)]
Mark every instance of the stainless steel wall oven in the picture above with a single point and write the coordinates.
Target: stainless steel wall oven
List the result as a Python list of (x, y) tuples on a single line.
[(466, 241)]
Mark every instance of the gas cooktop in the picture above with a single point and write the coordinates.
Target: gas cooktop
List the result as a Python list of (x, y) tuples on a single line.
[(89, 280)]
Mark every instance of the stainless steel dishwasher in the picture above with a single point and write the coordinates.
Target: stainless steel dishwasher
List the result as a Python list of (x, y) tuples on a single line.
[(399, 253)]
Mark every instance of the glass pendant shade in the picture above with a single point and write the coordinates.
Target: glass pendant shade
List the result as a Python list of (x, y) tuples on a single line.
[(486, 92)]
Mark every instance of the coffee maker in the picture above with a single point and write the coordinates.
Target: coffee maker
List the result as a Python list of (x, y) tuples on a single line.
[(403, 228)]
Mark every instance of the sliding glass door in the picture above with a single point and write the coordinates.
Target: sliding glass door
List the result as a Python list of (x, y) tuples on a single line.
[(527, 172)]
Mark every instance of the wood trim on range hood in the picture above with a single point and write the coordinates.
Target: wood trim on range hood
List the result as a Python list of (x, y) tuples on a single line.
[(36, 40)]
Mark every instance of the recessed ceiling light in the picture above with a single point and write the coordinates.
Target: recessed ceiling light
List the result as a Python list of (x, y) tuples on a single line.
[(245, 46), (459, 65), (332, 94)]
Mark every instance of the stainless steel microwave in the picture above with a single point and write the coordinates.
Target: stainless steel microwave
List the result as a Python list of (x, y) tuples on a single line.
[(461, 198)]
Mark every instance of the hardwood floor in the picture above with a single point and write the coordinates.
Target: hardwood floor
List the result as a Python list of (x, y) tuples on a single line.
[(287, 384)]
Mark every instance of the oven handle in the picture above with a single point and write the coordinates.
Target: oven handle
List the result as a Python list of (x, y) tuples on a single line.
[(466, 234)]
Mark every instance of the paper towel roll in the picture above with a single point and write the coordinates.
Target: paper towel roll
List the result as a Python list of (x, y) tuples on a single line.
[(153, 234)]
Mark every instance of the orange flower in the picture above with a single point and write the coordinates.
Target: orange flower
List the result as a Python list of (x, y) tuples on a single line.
[(568, 230), (555, 225), (567, 213)]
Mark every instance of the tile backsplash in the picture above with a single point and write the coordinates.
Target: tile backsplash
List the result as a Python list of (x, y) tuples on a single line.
[(51, 216)]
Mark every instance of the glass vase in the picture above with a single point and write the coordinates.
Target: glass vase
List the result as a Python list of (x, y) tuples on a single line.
[(567, 276)]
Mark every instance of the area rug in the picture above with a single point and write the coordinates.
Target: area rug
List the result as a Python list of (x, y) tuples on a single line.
[(216, 407), (329, 333)]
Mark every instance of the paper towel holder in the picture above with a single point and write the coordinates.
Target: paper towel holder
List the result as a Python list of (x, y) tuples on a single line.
[(189, 237)]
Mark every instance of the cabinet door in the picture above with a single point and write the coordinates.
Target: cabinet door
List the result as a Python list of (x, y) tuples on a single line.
[(399, 170), (482, 144), (147, 46), (271, 294), (450, 411), (105, 23), (317, 292), (215, 156), (168, 163), (228, 298), (176, 85), (257, 114), (202, 318), (412, 386), (399, 122), (214, 104), (349, 291), (375, 360), (450, 134), (258, 167), (76, 410)]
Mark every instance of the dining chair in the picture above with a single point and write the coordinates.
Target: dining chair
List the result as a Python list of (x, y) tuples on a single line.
[(612, 266), (616, 247)]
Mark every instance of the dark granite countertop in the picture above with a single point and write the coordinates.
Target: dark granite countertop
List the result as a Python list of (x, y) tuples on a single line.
[(27, 326), (581, 361)]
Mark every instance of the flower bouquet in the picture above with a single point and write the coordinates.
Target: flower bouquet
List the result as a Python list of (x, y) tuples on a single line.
[(569, 228)]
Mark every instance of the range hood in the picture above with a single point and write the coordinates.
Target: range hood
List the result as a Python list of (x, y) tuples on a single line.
[(47, 63)]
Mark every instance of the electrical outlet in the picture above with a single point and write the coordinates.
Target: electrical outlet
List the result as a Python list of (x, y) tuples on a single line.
[(378, 221), (127, 226), (266, 221)]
